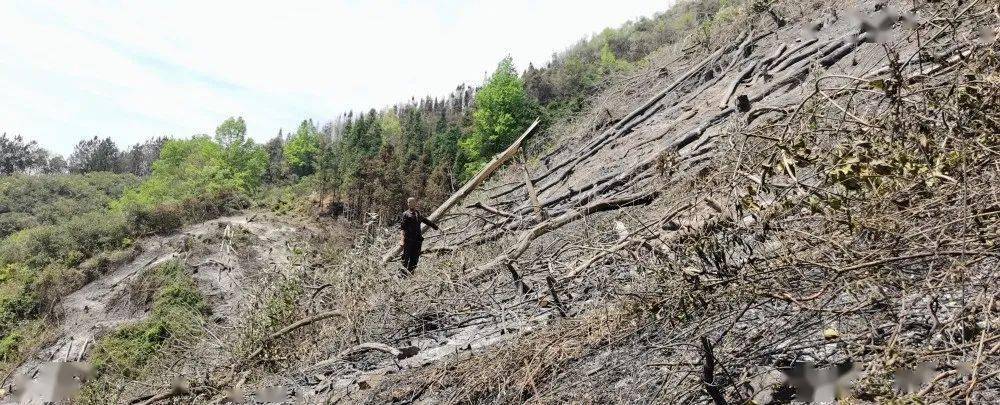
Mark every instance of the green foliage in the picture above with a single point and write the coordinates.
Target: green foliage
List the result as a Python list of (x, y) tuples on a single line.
[(287, 199), (245, 160), (18, 299), (18, 155), (49, 199), (303, 149), (10, 346), (610, 63), (503, 110), (391, 128), (96, 155), (194, 177), (69, 242), (16, 344)]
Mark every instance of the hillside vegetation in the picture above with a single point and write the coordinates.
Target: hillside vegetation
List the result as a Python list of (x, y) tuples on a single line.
[(721, 199)]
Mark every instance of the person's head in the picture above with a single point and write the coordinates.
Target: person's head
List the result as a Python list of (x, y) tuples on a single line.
[(411, 203)]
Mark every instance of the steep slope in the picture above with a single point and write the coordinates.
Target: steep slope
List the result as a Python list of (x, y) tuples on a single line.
[(801, 188), (770, 196)]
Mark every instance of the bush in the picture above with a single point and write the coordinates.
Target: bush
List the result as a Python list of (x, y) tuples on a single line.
[(18, 298), (52, 198), (10, 346), (191, 181), (293, 198), (69, 243), (12, 222), (38, 246), (18, 341)]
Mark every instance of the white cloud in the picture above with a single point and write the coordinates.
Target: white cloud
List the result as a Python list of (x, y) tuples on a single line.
[(132, 70)]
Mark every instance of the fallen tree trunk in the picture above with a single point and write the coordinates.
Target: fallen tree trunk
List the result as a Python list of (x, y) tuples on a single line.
[(400, 354), (743, 75), (484, 174), (635, 117)]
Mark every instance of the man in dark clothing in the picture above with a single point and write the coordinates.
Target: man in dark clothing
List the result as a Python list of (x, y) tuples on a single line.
[(412, 235)]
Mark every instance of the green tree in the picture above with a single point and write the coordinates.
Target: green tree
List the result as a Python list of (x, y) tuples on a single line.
[(503, 110), (186, 168), (245, 160), (17, 155), (303, 149), (96, 155)]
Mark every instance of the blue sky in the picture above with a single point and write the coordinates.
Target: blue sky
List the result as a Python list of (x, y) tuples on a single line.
[(135, 70)]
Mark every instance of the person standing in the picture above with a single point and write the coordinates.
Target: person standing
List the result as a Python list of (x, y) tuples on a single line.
[(412, 237)]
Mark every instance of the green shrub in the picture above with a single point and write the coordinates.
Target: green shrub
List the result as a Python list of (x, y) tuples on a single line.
[(10, 346), (193, 180), (15, 343), (51, 198), (37, 246), (295, 197), (97, 231), (69, 242), (12, 222), (18, 299)]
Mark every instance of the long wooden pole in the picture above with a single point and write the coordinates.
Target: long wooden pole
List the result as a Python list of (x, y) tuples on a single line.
[(484, 174), (532, 193)]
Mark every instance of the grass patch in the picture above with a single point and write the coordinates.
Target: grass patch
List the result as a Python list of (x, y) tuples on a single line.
[(15, 345), (126, 354)]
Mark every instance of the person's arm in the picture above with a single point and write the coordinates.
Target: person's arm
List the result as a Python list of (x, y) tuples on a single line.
[(429, 223), (402, 230)]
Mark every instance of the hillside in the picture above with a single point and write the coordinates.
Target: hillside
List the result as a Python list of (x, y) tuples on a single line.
[(790, 187)]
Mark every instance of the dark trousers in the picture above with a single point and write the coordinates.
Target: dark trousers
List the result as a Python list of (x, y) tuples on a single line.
[(411, 254)]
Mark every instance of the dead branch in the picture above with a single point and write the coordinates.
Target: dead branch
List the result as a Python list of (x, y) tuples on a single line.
[(303, 322), (708, 373)]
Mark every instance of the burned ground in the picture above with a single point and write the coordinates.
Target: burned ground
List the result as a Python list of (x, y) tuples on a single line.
[(821, 191)]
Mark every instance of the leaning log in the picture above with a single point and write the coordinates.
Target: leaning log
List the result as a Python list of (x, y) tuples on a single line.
[(484, 174)]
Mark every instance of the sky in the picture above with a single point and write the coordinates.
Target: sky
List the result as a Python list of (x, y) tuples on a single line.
[(140, 69)]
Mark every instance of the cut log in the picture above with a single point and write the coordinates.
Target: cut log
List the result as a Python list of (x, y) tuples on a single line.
[(484, 174), (791, 58), (766, 63), (736, 84), (638, 113), (399, 354)]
